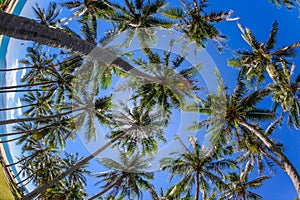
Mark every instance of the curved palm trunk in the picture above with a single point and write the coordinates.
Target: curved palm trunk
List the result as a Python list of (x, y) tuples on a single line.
[(18, 174), (33, 90), (28, 178), (12, 121), (14, 69), (197, 186), (25, 158), (28, 29), (10, 140), (285, 163), (26, 85), (5, 109), (20, 68), (29, 131), (46, 186)]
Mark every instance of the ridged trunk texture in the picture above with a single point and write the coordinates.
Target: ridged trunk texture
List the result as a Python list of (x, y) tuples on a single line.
[(285, 163), (28, 29)]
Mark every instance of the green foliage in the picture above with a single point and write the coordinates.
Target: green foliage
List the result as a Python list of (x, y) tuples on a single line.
[(66, 93)]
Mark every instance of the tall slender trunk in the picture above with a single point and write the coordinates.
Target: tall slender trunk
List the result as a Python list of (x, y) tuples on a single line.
[(25, 158), (57, 64), (11, 121), (29, 131), (26, 85), (18, 174), (44, 187), (29, 177), (10, 140), (28, 29), (286, 164), (14, 69), (32, 90), (197, 186), (18, 107)]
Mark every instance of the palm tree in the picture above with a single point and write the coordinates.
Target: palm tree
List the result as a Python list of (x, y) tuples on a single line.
[(40, 104), (38, 61), (125, 179), (43, 164), (196, 166), (239, 184), (41, 189), (138, 18), (173, 86), (145, 124), (252, 149), (88, 10), (287, 94), (73, 186), (14, 26), (196, 23), (262, 57), (228, 113), (49, 17)]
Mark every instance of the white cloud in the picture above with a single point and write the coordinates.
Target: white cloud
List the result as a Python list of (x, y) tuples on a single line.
[(23, 73), (19, 110)]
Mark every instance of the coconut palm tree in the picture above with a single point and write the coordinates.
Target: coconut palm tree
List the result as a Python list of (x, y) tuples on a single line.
[(41, 104), (48, 17), (88, 10), (198, 25), (228, 113), (196, 166), (43, 162), (239, 186), (173, 87), (287, 94), (125, 179), (121, 134), (38, 61), (146, 125), (137, 18), (73, 186), (252, 149), (13, 26), (263, 58)]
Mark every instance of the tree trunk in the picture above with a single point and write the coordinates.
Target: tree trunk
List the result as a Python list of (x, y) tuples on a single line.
[(33, 90), (43, 188), (14, 69), (11, 121), (29, 131), (57, 64), (26, 85), (5, 109), (29, 177), (25, 158), (10, 140), (197, 186), (286, 165), (28, 29)]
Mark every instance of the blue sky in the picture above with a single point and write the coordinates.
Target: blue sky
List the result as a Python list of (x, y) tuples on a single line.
[(258, 15)]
